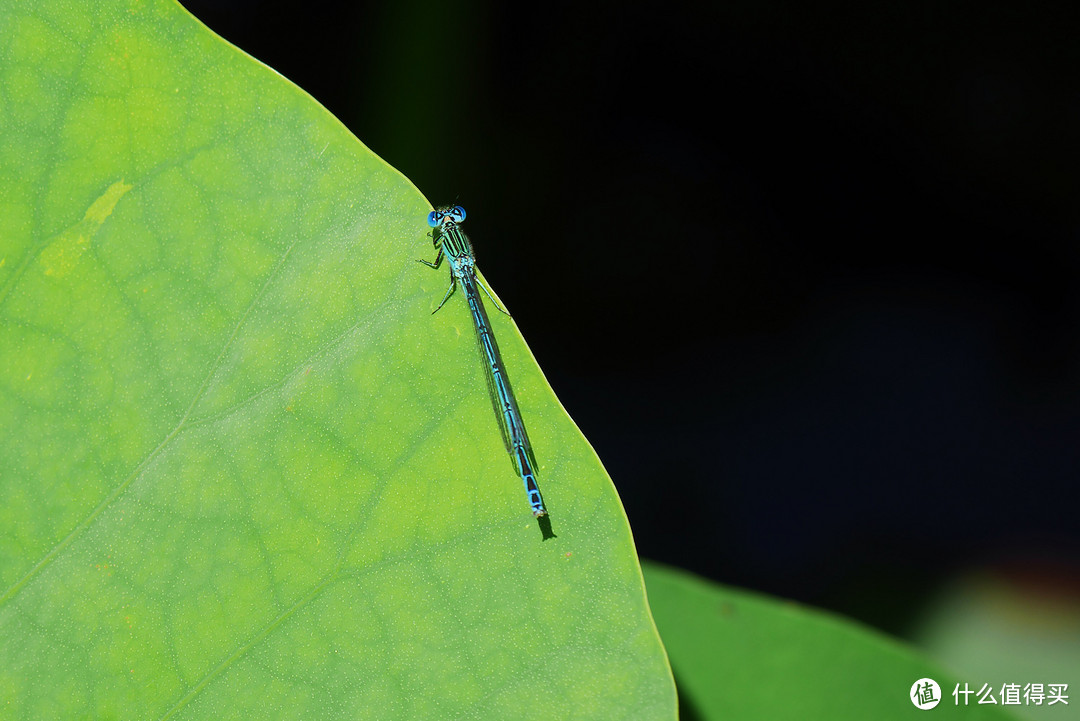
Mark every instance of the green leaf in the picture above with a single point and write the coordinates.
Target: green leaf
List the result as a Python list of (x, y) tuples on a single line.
[(740, 655), (244, 472)]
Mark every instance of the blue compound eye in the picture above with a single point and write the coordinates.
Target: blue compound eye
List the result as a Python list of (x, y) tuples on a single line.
[(433, 218), (458, 214)]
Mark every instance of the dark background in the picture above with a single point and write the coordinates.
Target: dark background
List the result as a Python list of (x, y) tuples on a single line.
[(805, 274)]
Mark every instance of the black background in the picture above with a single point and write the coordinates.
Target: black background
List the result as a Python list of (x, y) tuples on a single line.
[(805, 274)]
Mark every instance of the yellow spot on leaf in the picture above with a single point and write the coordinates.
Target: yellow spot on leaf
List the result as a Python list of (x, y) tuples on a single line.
[(64, 251), (102, 208)]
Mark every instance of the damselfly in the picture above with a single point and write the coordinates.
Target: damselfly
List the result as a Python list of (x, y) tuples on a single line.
[(454, 246)]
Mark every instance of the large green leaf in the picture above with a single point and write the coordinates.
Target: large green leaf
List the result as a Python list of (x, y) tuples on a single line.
[(244, 472), (740, 655)]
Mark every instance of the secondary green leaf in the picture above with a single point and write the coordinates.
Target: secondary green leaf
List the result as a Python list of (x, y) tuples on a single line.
[(740, 655), (244, 473)]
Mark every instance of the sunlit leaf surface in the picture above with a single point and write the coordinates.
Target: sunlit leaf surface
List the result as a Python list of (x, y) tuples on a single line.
[(244, 472)]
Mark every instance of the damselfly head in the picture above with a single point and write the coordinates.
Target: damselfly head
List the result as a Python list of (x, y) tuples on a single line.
[(455, 214)]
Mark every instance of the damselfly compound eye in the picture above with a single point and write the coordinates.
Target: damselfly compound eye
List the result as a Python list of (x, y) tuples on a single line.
[(457, 214), (433, 218)]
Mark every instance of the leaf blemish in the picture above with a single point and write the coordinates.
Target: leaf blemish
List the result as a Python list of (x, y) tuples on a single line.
[(62, 253), (102, 208)]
